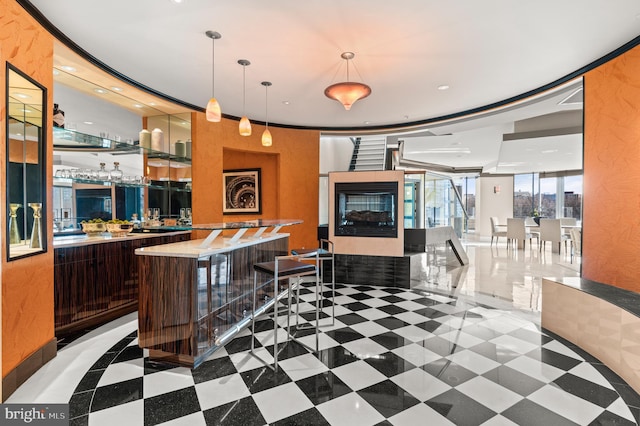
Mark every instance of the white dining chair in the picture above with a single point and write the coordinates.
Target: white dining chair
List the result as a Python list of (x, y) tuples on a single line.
[(576, 242), (517, 231), (497, 230), (566, 223), (532, 227), (551, 230)]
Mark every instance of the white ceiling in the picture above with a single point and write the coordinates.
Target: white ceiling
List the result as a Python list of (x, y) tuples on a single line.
[(486, 52)]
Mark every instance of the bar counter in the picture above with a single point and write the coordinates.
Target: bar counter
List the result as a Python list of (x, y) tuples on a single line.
[(197, 295), (96, 278)]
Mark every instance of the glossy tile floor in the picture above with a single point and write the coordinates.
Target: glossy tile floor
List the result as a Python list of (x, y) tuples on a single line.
[(462, 347)]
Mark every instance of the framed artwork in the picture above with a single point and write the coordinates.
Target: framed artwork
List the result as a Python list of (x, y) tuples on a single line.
[(241, 189)]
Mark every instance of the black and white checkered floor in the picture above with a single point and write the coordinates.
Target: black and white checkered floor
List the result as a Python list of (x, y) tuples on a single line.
[(393, 357)]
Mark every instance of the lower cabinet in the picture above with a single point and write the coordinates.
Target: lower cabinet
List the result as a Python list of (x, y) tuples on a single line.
[(95, 283)]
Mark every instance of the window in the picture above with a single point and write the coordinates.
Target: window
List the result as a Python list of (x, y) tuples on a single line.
[(551, 195)]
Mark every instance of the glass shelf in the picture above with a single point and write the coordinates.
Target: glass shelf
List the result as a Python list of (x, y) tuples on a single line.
[(64, 139), (61, 180)]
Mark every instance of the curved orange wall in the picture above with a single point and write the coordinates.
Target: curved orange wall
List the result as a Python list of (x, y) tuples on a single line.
[(289, 168), (27, 284), (611, 218)]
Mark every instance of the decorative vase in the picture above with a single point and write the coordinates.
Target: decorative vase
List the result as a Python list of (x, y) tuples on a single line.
[(180, 149), (103, 173), (115, 174), (145, 139), (157, 140), (14, 232), (187, 146), (36, 231)]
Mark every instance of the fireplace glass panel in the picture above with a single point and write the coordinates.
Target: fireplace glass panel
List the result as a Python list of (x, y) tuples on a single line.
[(366, 209)]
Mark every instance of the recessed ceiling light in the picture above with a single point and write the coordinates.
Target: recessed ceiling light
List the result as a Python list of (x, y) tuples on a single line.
[(137, 105), (549, 151), (21, 95), (117, 89), (406, 117), (88, 122), (367, 122), (68, 68), (286, 102), (177, 1), (101, 91), (443, 87), (152, 103)]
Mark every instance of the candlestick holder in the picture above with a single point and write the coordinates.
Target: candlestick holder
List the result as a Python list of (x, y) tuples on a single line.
[(14, 231), (36, 231)]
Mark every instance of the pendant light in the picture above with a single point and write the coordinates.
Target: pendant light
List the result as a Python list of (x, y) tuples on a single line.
[(348, 92), (213, 111), (266, 135), (245, 124)]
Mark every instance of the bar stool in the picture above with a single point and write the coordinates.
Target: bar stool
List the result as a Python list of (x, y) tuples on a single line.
[(325, 253), (284, 268)]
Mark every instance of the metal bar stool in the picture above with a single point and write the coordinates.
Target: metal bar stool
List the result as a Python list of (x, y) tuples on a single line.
[(284, 268), (326, 253)]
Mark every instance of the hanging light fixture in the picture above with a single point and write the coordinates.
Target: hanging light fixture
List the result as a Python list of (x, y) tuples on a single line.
[(348, 92), (213, 111), (245, 124), (266, 135)]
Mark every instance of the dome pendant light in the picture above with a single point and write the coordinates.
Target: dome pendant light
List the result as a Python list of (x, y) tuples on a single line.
[(213, 112), (245, 124), (266, 135), (347, 93)]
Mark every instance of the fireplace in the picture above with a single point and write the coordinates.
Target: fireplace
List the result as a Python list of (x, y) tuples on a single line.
[(366, 209)]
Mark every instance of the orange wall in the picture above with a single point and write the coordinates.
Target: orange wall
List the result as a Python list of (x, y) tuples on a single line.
[(27, 284), (290, 171), (611, 218)]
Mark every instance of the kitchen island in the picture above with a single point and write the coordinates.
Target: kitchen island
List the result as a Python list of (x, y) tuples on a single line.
[(197, 295)]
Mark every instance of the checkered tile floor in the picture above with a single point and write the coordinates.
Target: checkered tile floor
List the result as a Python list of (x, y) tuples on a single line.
[(393, 357)]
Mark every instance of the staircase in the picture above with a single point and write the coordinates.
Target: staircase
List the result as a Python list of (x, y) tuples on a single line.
[(368, 154)]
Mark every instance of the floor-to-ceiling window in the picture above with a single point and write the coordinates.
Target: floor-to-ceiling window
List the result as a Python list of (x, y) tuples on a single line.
[(548, 195)]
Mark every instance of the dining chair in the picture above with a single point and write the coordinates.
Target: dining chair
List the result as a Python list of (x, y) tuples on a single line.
[(532, 227), (576, 242), (516, 231), (496, 229), (551, 230), (566, 223)]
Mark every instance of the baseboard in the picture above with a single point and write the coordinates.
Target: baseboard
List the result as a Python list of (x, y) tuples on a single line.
[(27, 367)]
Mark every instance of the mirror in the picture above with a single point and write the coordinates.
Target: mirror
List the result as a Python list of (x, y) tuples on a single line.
[(26, 183)]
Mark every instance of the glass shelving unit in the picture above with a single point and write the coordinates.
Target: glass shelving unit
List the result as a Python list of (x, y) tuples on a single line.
[(70, 140)]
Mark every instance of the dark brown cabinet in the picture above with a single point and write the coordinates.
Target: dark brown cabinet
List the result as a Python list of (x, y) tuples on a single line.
[(95, 283)]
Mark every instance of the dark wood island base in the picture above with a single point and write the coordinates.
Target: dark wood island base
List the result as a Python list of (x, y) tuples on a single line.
[(194, 296)]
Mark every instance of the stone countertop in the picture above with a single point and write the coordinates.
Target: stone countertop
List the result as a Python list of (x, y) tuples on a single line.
[(82, 240), (625, 299), (195, 248)]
